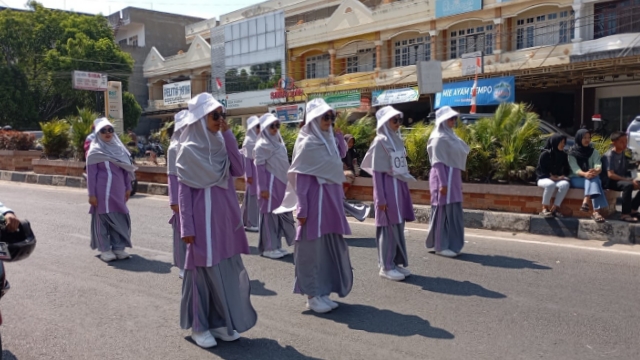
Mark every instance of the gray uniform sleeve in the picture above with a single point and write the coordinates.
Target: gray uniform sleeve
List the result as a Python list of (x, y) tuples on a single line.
[(4, 209)]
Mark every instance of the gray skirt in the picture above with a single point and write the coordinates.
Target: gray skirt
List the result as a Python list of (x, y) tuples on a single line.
[(446, 230), (392, 246), (358, 211), (111, 231), (250, 210), (179, 246), (273, 227), (323, 266), (216, 297)]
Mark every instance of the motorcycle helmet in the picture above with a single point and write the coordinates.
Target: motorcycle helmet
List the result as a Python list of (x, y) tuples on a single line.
[(19, 244)]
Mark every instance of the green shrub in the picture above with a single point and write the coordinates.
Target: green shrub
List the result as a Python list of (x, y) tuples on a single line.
[(415, 142), (55, 137), (363, 130), (126, 139), (602, 144), (16, 140), (239, 132), (289, 135), (80, 129)]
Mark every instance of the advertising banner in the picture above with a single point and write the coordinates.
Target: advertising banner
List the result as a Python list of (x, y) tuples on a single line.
[(490, 92), (395, 96), (454, 7), (176, 93), (288, 113), (340, 100), (83, 80)]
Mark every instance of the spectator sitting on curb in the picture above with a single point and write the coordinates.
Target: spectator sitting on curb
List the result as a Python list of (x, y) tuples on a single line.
[(620, 177), (552, 172)]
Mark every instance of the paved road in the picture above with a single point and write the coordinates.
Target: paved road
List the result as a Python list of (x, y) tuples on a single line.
[(508, 297)]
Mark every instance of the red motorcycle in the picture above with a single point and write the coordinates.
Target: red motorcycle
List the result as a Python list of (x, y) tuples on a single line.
[(14, 246)]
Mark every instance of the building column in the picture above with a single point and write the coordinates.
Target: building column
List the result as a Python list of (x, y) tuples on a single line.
[(578, 32), (498, 31), (332, 63), (433, 36), (378, 44)]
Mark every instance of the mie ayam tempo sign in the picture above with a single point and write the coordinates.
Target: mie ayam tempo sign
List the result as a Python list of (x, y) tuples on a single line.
[(492, 91), (176, 93)]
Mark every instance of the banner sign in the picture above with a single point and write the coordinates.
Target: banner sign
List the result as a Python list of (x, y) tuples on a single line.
[(176, 93), (340, 100), (288, 113), (113, 105), (395, 96), (454, 7), (83, 80), (490, 92)]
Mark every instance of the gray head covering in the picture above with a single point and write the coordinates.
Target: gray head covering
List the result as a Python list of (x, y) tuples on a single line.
[(444, 145), (250, 137), (315, 152), (113, 151), (270, 149), (202, 159), (378, 157), (174, 145)]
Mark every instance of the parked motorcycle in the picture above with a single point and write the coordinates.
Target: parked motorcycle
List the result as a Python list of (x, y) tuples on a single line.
[(14, 246)]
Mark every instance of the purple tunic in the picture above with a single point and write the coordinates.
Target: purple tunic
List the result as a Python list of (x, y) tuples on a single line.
[(276, 188), (173, 189), (443, 175), (108, 181), (394, 193), (213, 216), (250, 172), (322, 206)]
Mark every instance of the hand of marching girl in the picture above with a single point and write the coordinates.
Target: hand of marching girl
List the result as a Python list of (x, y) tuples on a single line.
[(302, 221), (189, 239), (264, 195), (93, 201), (443, 190), (382, 207), (250, 180), (223, 125), (175, 208)]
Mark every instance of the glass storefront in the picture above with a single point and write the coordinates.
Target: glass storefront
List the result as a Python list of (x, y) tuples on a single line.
[(618, 112)]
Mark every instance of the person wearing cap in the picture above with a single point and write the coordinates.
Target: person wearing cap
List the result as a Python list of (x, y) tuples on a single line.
[(448, 158), (386, 161), (216, 290), (109, 174), (250, 212), (179, 246), (322, 263), (272, 164)]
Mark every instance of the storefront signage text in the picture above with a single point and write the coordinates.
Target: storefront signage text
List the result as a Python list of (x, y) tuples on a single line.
[(490, 92)]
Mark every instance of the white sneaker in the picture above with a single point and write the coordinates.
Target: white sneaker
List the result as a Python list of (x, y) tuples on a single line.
[(316, 304), (222, 334), (392, 274), (447, 253), (108, 256), (181, 276), (332, 304), (121, 254), (366, 213), (403, 271), (283, 251), (273, 254), (204, 339), (251, 228)]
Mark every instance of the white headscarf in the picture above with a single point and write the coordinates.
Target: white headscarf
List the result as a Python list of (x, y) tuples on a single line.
[(444, 145), (315, 152), (250, 137), (202, 159), (113, 151), (270, 149), (174, 145), (378, 157)]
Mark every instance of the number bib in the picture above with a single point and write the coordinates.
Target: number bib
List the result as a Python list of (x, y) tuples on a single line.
[(399, 163)]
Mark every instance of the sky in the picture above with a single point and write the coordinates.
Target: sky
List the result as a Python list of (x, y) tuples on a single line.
[(200, 8)]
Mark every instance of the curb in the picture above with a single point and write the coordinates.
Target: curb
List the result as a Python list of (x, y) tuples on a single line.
[(612, 231)]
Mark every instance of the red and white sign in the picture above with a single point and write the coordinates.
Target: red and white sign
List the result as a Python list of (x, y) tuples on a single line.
[(83, 80)]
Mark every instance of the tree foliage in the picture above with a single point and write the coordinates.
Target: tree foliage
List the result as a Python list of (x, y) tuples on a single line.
[(131, 109), (42, 47)]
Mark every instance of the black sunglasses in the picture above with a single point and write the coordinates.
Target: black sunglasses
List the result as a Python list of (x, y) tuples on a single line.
[(217, 116), (329, 117), (275, 125), (106, 130), (396, 119)]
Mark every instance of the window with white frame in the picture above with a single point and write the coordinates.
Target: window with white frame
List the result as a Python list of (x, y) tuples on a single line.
[(479, 38), (410, 51), (547, 29), (318, 66), (365, 60), (133, 41)]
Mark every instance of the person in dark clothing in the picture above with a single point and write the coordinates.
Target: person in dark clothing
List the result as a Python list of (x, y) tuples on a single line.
[(620, 179), (350, 162), (552, 172)]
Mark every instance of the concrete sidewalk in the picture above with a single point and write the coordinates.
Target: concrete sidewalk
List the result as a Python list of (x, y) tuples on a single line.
[(611, 231)]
